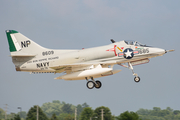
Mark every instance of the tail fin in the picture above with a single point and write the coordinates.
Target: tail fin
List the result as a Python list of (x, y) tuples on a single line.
[(20, 45)]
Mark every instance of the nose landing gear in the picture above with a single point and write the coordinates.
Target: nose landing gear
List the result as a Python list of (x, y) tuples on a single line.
[(136, 78)]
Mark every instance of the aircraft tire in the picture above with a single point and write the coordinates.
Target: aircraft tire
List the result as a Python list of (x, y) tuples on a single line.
[(98, 84), (137, 79), (90, 84)]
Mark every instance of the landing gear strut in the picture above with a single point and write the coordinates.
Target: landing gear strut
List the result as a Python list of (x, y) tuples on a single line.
[(136, 78), (91, 84)]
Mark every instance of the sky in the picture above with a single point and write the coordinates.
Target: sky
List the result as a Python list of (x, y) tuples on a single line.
[(77, 24)]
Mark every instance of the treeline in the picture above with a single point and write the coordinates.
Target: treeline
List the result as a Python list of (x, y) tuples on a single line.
[(158, 114), (62, 109), (57, 110)]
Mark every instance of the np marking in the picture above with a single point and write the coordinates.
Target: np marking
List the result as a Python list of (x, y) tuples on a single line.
[(25, 43)]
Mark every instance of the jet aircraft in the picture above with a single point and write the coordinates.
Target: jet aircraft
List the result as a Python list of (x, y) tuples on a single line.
[(82, 64)]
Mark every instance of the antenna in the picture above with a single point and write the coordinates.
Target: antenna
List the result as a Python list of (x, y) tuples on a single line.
[(113, 41)]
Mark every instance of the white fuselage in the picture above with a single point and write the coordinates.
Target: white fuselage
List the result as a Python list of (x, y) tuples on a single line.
[(47, 59)]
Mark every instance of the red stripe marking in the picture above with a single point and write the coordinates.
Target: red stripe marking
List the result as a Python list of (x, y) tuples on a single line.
[(135, 52), (120, 54), (112, 49), (115, 50)]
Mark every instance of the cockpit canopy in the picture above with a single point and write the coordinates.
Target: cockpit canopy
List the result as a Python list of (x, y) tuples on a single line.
[(129, 42)]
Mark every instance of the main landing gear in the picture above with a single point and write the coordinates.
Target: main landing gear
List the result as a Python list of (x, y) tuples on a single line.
[(91, 84)]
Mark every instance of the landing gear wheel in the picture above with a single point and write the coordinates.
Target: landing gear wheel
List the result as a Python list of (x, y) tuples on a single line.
[(98, 84), (137, 79), (90, 84)]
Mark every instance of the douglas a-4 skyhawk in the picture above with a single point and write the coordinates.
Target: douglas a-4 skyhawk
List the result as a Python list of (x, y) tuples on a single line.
[(83, 64)]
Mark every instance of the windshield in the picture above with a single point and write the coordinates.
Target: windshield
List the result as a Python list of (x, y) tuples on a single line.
[(128, 42)]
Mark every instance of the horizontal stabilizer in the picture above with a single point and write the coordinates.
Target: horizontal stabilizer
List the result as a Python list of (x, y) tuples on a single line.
[(22, 55)]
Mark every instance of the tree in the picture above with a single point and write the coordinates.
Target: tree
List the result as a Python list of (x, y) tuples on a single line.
[(17, 117), (67, 108), (66, 116), (128, 116), (22, 114), (158, 114), (32, 114), (106, 113), (86, 114), (51, 108), (69, 117), (175, 112), (56, 101), (2, 113), (156, 109), (163, 113), (84, 105), (79, 109), (143, 112), (177, 117), (54, 117), (169, 109)]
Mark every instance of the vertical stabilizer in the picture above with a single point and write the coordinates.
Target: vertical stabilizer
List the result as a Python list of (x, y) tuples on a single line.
[(21, 45)]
